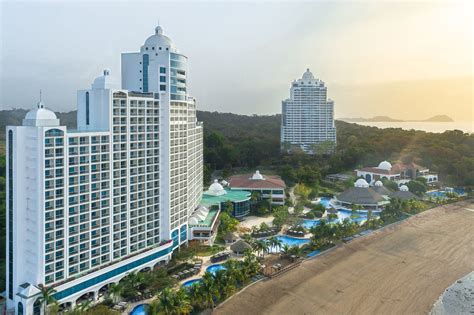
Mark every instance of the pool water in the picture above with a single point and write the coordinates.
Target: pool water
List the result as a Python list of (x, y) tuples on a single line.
[(140, 310), (189, 283), (442, 193), (325, 201), (288, 240), (215, 268), (341, 215)]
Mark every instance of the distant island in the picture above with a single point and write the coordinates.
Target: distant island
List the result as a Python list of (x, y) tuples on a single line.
[(437, 118)]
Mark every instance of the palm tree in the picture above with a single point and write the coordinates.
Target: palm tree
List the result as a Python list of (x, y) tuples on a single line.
[(165, 301), (194, 294), (275, 242), (261, 246), (47, 297), (209, 291), (285, 249), (181, 302), (115, 291)]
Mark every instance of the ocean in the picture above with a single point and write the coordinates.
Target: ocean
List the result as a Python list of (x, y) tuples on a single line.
[(436, 127)]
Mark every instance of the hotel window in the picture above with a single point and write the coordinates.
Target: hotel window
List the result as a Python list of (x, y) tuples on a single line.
[(87, 108), (145, 72)]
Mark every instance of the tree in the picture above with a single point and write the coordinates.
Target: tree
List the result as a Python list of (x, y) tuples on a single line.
[(172, 302), (209, 290), (47, 298), (280, 216), (417, 187), (227, 223), (115, 291)]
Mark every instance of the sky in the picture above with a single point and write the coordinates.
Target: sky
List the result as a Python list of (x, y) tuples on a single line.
[(244, 55)]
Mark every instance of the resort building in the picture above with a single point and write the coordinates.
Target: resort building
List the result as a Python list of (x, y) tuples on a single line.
[(270, 187), (400, 173), (361, 195), (307, 119), (381, 189), (216, 195), (86, 207), (404, 194), (203, 224)]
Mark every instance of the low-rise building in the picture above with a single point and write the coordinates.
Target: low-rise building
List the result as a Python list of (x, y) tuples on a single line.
[(363, 196), (401, 173), (270, 187), (203, 224), (216, 195)]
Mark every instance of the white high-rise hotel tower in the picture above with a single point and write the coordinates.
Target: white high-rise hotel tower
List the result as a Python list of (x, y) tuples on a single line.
[(307, 118), (86, 207)]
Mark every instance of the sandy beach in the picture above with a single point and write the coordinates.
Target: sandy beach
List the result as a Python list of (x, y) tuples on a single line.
[(402, 269)]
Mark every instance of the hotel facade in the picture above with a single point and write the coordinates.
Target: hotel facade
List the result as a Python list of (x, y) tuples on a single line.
[(307, 120), (86, 207)]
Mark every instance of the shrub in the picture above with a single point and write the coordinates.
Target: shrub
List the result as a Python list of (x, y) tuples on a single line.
[(310, 215), (317, 213)]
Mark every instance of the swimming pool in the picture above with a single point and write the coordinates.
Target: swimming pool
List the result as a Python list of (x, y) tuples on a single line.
[(325, 201), (215, 268), (341, 215), (442, 193), (189, 283), (141, 309), (288, 240)]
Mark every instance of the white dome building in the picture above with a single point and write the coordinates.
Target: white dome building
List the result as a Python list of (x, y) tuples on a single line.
[(363, 195), (257, 176), (361, 183), (216, 189), (378, 184), (385, 165), (404, 194), (158, 40), (40, 117)]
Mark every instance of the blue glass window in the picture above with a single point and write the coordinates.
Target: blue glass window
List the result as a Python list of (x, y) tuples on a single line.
[(87, 108), (145, 72), (162, 70)]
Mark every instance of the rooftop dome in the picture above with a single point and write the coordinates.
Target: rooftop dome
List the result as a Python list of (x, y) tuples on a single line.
[(216, 189), (257, 176), (158, 39), (105, 81), (404, 188), (361, 183), (308, 75), (385, 166), (378, 184), (40, 116)]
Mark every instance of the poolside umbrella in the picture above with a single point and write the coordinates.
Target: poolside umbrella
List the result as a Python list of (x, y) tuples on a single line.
[(240, 247)]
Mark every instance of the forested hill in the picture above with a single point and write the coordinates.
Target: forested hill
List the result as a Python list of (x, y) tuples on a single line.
[(232, 140)]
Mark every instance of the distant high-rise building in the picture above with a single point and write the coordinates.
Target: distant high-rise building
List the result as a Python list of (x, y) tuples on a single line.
[(307, 120), (87, 206)]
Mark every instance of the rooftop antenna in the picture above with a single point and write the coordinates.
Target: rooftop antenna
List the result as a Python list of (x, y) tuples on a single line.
[(40, 103)]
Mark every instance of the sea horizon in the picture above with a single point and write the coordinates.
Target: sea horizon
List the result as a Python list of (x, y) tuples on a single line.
[(434, 127)]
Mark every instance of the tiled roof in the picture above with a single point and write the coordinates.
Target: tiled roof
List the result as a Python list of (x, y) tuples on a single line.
[(246, 181)]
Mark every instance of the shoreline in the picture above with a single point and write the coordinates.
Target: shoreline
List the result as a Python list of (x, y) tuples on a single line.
[(401, 268), (458, 298)]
